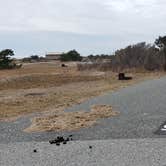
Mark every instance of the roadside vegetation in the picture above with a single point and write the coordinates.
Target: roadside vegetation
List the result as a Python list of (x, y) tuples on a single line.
[(6, 62), (72, 55), (139, 57), (48, 88)]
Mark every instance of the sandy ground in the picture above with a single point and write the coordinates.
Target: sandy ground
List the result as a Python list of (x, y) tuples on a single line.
[(49, 88), (69, 121)]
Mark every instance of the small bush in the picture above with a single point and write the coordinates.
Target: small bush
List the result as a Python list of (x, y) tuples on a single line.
[(6, 62)]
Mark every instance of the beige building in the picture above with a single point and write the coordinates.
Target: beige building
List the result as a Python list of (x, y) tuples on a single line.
[(53, 56)]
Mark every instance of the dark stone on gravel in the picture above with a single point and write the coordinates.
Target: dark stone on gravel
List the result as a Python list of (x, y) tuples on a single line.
[(90, 147), (57, 144), (60, 139), (35, 150), (67, 139)]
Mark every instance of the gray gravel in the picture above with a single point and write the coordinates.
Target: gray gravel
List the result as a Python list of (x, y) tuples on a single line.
[(140, 152), (142, 110)]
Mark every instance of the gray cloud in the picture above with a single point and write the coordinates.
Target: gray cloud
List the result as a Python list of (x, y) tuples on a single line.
[(120, 20)]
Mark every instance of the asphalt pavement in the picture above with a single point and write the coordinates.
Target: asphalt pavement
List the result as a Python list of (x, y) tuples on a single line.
[(135, 137), (132, 152), (142, 110)]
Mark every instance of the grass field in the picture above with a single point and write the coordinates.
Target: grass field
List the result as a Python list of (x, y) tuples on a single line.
[(48, 88)]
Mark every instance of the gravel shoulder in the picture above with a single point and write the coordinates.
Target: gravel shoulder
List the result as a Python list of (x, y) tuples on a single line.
[(137, 152)]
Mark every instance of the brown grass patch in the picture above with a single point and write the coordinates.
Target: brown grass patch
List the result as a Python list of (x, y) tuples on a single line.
[(44, 80), (69, 121), (46, 86), (43, 75)]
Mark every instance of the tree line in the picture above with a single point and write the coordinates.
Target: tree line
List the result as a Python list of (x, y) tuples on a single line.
[(6, 60), (140, 55)]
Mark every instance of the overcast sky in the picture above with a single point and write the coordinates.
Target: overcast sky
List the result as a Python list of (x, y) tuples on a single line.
[(89, 26)]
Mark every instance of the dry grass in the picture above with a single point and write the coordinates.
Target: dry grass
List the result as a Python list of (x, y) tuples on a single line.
[(69, 121), (100, 66), (50, 88), (37, 68), (42, 75)]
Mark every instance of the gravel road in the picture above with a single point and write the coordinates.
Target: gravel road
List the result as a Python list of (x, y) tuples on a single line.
[(142, 110), (135, 152)]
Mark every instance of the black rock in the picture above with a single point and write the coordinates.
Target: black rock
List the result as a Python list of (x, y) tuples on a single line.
[(59, 140), (35, 151), (57, 144), (52, 142), (67, 139), (90, 147)]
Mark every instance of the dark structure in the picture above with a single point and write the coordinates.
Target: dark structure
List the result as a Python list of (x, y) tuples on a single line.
[(53, 56), (123, 77)]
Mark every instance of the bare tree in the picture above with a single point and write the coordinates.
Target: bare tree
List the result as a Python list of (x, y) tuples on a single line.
[(140, 55), (161, 43)]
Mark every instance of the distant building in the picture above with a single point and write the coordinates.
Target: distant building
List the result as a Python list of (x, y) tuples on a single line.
[(53, 56)]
